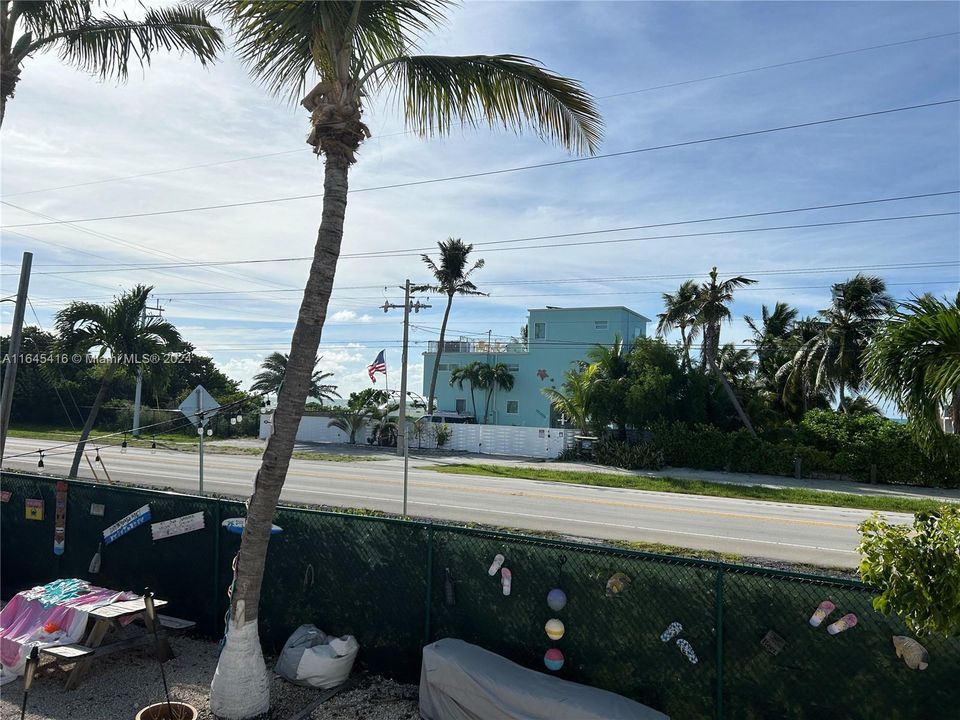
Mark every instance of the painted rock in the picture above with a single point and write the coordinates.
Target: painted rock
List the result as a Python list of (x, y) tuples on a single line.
[(553, 659), (554, 628), (556, 599)]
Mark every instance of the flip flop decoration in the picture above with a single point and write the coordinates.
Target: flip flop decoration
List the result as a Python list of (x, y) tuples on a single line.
[(506, 580), (913, 653), (673, 629), (823, 609), (845, 623), (497, 563), (687, 650)]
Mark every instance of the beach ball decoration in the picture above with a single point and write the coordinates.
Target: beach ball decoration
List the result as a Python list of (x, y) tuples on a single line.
[(556, 599), (553, 659), (554, 629)]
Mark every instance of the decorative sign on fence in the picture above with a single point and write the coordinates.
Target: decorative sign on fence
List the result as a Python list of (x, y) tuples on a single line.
[(60, 527), (177, 526), (34, 509), (5, 495), (125, 525), (97, 509)]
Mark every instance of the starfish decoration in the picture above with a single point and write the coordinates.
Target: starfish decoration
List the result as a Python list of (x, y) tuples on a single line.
[(542, 374)]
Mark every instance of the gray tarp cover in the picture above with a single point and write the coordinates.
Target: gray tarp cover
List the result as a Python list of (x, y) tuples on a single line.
[(460, 681)]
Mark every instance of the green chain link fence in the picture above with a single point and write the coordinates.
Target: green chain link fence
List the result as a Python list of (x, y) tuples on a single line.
[(385, 581)]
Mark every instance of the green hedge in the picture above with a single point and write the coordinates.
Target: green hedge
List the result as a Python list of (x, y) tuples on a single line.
[(826, 442)]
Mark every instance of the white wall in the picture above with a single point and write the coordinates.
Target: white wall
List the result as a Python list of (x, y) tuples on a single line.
[(484, 439)]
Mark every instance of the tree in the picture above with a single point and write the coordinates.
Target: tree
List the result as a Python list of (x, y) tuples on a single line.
[(680, 312), (360, 408), (833, 359), (357, 49), (770, 335), (574, 402), (469, 373), (654, 382), (914, 359), (274, 369), (492, 378), (915, 569), (711, 309), (101, 44), (608, 398), (118, 330), (452, 278)]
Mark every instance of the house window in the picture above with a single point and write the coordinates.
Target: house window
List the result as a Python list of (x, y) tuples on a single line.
[(461, 405), (539, 331), (442, 366), (513, 367), (600, 324), (513, 407)]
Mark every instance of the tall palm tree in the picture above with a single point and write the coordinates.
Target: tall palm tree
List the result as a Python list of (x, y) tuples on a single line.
[(101, 44), (469, 373), (452, 277), (119, 330), (770, 334), (274, 369), (680, 312), (834, 357), (914, 359), (610, 363), (492, 378), (574, 401), (349, 51), (736, 363)]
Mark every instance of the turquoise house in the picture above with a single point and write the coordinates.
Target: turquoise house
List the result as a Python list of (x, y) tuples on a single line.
[(556, 339)]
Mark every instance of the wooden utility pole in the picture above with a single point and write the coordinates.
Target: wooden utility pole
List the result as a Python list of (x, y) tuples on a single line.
[(13, 353)]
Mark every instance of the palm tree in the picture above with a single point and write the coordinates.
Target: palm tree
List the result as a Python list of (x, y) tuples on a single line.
[(680, 312), (833, 359), (119, 329), (360, 408), (574, 402), (274, 369), (769, 336), (492, 378), (611, 372), (357, 49), (452, 278), (100, 44), (736, 363), (469, 373), (914, 359)]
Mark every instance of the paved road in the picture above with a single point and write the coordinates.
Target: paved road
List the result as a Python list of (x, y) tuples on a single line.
[(779, 531)]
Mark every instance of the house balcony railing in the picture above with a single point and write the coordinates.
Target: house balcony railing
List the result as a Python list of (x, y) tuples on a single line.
[(464, 345)]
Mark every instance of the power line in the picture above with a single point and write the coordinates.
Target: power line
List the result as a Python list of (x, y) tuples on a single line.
[(407, 132), (831, 206), (710, 233), (503, 171)]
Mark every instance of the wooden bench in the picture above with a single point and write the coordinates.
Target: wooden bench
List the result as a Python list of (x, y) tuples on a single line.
[(67, 653), (175, 626)]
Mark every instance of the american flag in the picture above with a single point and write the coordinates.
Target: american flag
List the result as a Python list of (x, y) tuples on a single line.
[(378, 365)]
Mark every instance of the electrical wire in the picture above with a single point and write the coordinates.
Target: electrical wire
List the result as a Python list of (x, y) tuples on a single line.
[(503, 171)]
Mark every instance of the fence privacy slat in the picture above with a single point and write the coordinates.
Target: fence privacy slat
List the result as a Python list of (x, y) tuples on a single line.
[(383, 580)]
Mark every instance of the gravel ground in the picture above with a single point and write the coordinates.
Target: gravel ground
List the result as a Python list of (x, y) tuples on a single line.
[(118, 686)]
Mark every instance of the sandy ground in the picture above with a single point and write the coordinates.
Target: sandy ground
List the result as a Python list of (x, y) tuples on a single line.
[(118, 686)]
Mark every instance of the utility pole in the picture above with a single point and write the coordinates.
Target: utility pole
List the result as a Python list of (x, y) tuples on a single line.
[(13, 352), (402, 444), (136, 398)]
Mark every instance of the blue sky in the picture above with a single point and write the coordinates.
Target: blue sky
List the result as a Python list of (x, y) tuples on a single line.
[(64, 128)]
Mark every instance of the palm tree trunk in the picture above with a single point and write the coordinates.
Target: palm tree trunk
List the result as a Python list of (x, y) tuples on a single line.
[(843, 400), (733, 399), (473, 399), (91, 419), (241, 687), (486, 406), (685, 360), (436, 362)]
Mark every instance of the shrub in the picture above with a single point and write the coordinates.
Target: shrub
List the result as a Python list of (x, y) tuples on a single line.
[(915, 569), (642, 456), (442, 434)]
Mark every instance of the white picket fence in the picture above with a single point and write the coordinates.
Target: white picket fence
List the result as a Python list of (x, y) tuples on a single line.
[(529, 442)]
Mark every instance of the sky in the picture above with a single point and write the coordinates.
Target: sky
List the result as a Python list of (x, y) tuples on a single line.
[(651, 66)]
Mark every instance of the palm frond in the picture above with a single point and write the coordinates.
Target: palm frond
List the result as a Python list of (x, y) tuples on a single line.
[(510, 91), (105, 45)]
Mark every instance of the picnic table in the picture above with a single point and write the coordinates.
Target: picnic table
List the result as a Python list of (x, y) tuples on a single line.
[(75, 627)]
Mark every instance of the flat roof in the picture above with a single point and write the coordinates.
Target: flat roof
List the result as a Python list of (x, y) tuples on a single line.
[(597, 307)]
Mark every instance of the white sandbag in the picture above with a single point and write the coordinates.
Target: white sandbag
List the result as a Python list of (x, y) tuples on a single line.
[(312, 658)]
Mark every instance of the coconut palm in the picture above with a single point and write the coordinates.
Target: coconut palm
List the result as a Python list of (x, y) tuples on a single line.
[(101, 44), (118, 330), (914, 359), (610, 376), (469, 373), (680, 312), (833, 359), (335, 55), (574, 402), (274, 369), (359, 409), (736, 363), (452, 277), (492, 378), (769, 336)]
